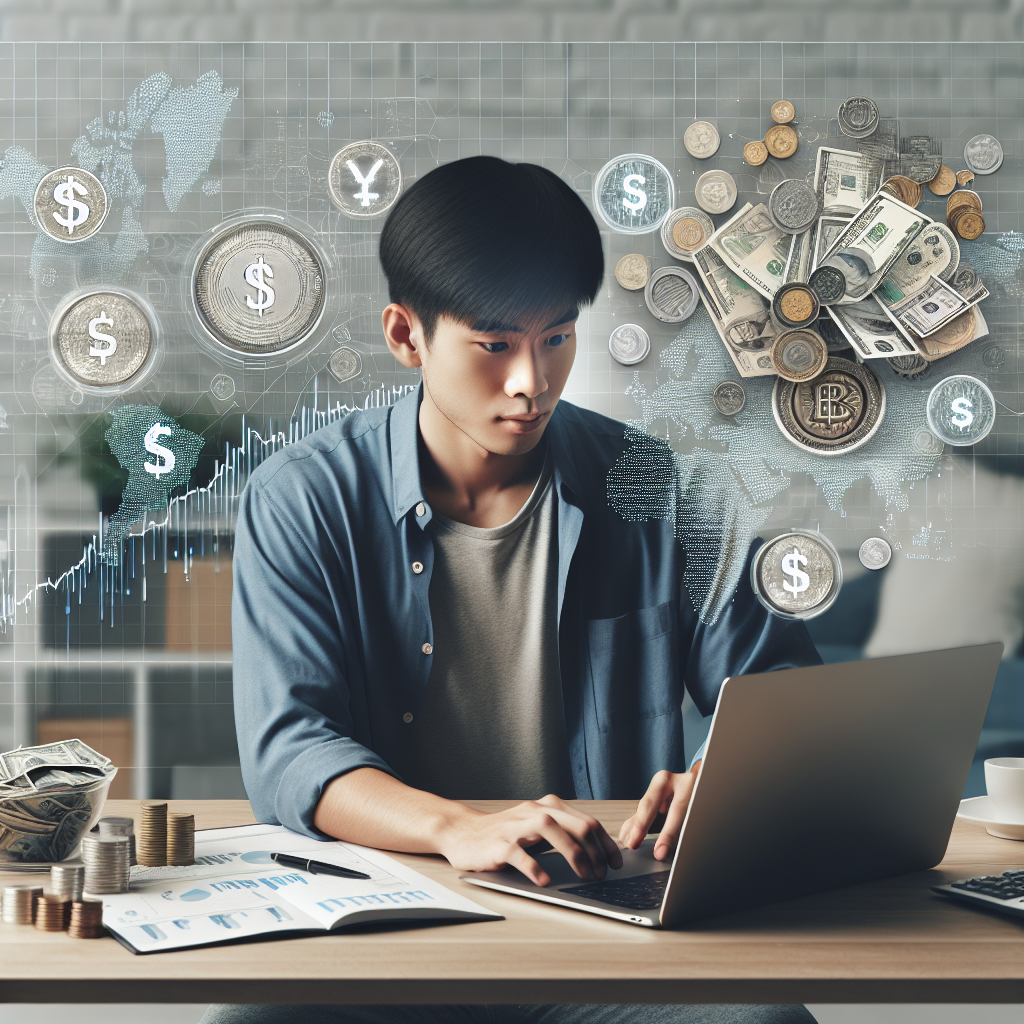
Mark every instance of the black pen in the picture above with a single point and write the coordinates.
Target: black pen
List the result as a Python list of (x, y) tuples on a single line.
[(316, 867)]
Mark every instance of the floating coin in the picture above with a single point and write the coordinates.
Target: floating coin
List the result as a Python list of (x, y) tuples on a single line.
[(729, 398), (961, 410), (701, 139), (783, 112), (102, 339), (782, 141), (944, 182), (686, 230), (715, 191), (983, 154), (70, 204), (259, 288), (794, 206), (964, 178), (222, 387), (913, 367), (795, 305), (835, 412), (905, 189), (858, 117), (633, 271), (364, 179), (671, 294), (755, 153), (634, 193), (875, 553), (629, 344), (828, 284), (345, 363), (797, 575), (799, 355)]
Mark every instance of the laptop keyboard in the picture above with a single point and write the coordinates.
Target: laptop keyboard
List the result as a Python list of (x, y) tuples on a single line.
[(642, 892)]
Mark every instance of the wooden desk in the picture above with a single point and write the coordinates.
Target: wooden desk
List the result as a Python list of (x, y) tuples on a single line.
[(889, 941)]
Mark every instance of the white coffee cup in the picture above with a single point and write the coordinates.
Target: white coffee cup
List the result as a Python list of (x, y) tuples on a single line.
[(1004, 780)]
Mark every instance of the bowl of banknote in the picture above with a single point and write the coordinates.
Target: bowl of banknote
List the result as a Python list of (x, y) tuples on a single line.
[(50, 796)]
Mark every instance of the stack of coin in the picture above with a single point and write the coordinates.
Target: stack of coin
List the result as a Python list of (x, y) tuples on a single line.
[(86, 919), (963, 214), (181, 839), (66, 880), (904, 189), (153, 835), (53, 913), (106, 863), (19, 903), (120, 827)]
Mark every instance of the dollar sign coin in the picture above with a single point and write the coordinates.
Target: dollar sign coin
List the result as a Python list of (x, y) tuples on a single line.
[(797, 575), (633, 193), (962, 415), (791, 567), (635, 198), (257, 275), (164, 456), (70, 204), (961, 410), (109, 346)]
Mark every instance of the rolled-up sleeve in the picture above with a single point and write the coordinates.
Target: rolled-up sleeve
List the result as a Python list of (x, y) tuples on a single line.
[(291, 692)]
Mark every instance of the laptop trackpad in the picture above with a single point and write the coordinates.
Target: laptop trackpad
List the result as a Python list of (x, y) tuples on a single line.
[(634, 862)]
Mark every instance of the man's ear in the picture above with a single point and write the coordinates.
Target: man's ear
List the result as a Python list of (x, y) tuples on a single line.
[(404, 334)]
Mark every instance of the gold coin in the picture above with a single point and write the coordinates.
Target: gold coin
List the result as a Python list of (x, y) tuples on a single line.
[(633, 271), (688, 234), (969, 225), (905, 189), (963, 198), (964, 178), (783, 112), (781, 141), (755, 153), (944, 181), (797, 305)]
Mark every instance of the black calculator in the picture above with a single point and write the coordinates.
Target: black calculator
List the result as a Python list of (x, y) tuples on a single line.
[(1004, 893)]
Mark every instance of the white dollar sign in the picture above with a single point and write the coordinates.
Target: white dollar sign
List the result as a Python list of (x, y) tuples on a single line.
[(109, 342), (791, 567), (639, 200), (164, 455), (964, 417), (64, 193), (257, 274)]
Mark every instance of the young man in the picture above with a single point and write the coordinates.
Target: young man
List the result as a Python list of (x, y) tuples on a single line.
[(435, 602)]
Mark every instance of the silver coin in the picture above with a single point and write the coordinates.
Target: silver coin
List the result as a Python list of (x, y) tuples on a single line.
[(685, 230), (983, 154), (926, 443), (70, 204), (794, 206), (222, 387), (102, 339), (729, 398), (993, 357), (634, 193), (701, 139), (629, 344), (858, 117), (828, 284), (961, 410), (797, 575), (799, 354), (259, 288), (364, 179), (671, 294), (715, 191), (345, 363), (875, 553)]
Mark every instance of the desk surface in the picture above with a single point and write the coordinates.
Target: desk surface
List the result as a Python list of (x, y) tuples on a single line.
[(889, 941)]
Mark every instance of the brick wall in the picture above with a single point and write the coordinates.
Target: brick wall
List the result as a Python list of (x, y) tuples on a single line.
[(527, 20)]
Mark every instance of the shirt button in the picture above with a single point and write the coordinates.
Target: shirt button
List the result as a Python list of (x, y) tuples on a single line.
[(427, 648), (417, 567), (407, 717), (421, 509)]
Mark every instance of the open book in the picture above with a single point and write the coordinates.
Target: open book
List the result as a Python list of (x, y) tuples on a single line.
[(234, 892)]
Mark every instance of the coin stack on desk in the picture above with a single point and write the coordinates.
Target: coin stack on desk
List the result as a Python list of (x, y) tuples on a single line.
[(152, 848), (19, 903), (120, 827), (86, 919), (53, 913), (181, 839), (106, 864), (66, 880)]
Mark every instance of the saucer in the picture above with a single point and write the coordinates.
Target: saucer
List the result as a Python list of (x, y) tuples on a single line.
[(976, 808)]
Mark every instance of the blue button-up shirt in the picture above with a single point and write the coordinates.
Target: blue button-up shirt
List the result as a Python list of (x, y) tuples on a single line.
[(332, 630)]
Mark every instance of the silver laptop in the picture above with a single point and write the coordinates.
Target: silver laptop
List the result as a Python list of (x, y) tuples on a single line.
[(813, 778)]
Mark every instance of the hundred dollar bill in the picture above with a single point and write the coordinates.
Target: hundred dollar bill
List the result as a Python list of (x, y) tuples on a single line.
[(960, 331), (799, 262), (845, 181), (754, 248), (828, 229), (870, 331), (739, 313), (930, 307)]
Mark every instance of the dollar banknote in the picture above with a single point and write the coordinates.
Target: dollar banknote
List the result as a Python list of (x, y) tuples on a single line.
[(753, 247), (827, 230), (960, 331), (845, 181), (870, 331), (61, 754), (801, 251), (934, 304)]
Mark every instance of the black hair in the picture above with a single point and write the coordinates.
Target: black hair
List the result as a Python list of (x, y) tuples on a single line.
[(489, 242)]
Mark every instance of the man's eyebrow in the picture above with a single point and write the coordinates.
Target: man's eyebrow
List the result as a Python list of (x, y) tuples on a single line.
[(496, 327)]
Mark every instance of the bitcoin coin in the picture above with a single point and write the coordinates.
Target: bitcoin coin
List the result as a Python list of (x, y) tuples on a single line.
[(797, 575), (715, 191), (364, 179), (858, 117), (944, 182), (961, 410), (701, 140), (634, 193), (875, 553), (633, 271), (828, 284), (835, 412), (222, 387), (70, 204), (345, 363), (795, 305), (729, 397), (793, 206), (983, 154), (686, 230), (755, 153), (783, 112), (258, 288), (782, 141), (102, 339), (629, 344), (799, 355), (671, 294)]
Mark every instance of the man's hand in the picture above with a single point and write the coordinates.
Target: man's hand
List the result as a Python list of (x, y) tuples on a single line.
[(488, 842), (669, 795)]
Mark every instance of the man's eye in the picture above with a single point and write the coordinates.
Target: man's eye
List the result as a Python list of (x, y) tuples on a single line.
[(557, 339), (495, 346)]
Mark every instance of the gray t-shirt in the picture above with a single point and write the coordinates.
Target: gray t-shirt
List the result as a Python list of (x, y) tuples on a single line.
[(491, 725)]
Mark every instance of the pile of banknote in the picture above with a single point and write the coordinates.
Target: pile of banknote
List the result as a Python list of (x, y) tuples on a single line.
[(50, 795)]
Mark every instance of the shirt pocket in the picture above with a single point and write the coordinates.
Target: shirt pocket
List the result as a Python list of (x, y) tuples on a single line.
[(634, 664)]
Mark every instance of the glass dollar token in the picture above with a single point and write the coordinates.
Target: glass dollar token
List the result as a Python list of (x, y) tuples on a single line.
[(364, 179), (961, 410), (634, 193), (797, 575), (70, 204)]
